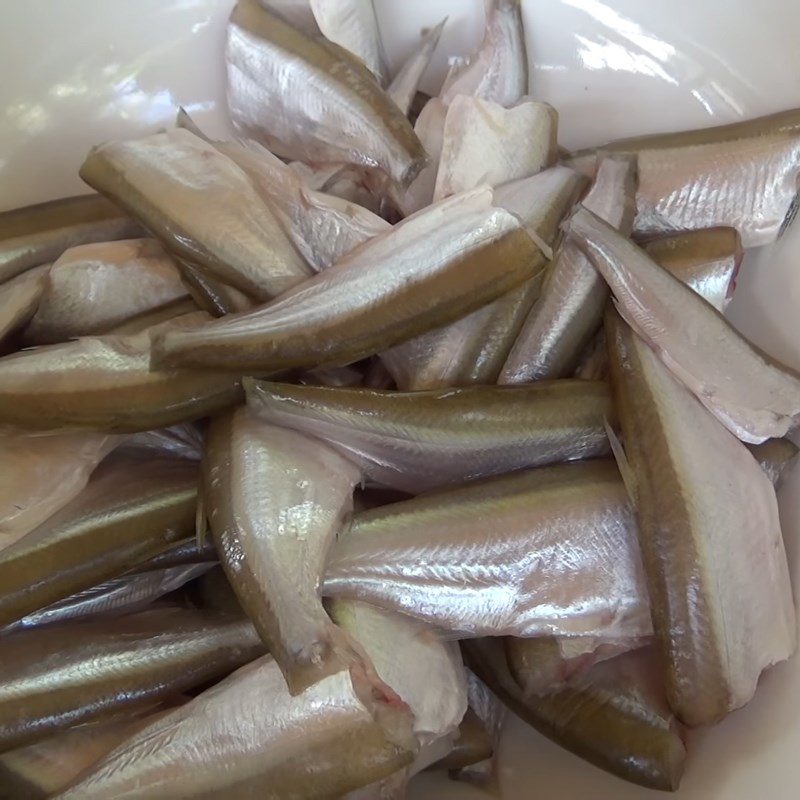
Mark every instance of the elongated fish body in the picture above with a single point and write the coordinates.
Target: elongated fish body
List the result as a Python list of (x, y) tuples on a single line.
[(775, 456), (95, 287), (39, 234), (473, 349), (180, 441), (416, 441), (404, 85), (434, 267), (352, 24), (310, 100), (473, 745), (498, 71), (754, 397), (63, 676), (489, 559), (185, 553), (277, 500), (297, 13), (202, 206), (710, 537), (106, 383), (323, 743), (20, 297), (212, 295), (130, 510), (570, 310), (41, 474), (616, 717), (487, 143)]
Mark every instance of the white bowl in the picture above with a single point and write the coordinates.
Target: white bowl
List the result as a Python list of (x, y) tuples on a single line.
[(77, 72)]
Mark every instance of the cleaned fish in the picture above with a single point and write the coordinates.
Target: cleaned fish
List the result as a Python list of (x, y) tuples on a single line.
[(775, 456), (333, 738), (710, 538), (73, 673), (20, 297), (150, 319), (429, 269), (39, 234), (310, 100), (349, 376), (202, 206), (185, 553), (212, 295), (473, 745), (489, 559), (403, 87), (277, 500), (131, 509), (416, 441), (616, 717), (570, 310), (180, 441), (297, 13), (753, 396), (96, 287)]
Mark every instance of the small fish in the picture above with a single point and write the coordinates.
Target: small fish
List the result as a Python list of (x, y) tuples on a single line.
[(333, 738), (180, 441), (20, 297), (212, 295), (489, 558), (185, 553), (274, 545), (429, 269), (310, 100), (39, 234), (616, 717), (74, 673), (754, 397), (403, 87), (130, 510), (95, 287), (710, 537), (775, 456), (416, 441), (202, 206)]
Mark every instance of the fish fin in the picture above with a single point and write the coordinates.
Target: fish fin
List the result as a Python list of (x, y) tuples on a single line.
[(625, 470)]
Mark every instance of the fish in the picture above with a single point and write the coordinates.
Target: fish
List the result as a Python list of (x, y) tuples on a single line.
[(710, 538), (202, 207), (569, 311), (429, 269), (297, 13), (352, 24), (19, 299), (179, 441), (348, 376), (274, 544), (489, 558), (498, 71), (74, 673), (473, 349), (41, 474), (106, 383), (752, 395), (486, 143), (333, 738), (403, 86), (36, 235), (212, 295), (616, 717), (775, 456), (310, 100), (129, 511), (186, 553), (473, 745), (93, 288), (416, 441), (743, 175)]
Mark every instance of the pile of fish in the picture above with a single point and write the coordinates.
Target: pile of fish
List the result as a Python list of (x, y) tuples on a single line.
[(321, 446)]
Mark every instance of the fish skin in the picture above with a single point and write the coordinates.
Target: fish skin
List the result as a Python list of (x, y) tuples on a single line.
[(570, 309), (753, 396), (775, 456), (417, 441), (212, 295), (472, 746), (274, 545), (169, 181), (615, 717), (160, 316), (39, 234), (434, 267), (74, 673), (297, 13), (403, 87), (130, 510), (179, 441), (185, 553), (93, 288), (710, 536), (309, 100), (489, 558), (20, 297), (320, 744)]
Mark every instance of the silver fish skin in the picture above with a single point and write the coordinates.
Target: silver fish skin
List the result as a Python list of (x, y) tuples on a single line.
[(202, 206), (417, 441), (180, 441), (274, 544), (20, 297), (754, 397), (569, 311), (498, 71), (310, 100), (329, 740), (403, 86), (489, 559)]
